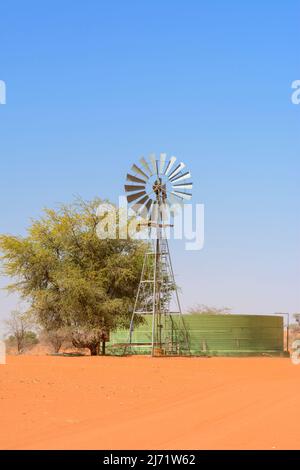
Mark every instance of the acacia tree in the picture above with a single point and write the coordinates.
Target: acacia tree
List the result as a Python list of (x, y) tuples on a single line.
[(18, 328), (73, 280), (54, 338)]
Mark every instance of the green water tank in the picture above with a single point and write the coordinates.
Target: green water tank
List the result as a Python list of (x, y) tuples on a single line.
[(218, 335)]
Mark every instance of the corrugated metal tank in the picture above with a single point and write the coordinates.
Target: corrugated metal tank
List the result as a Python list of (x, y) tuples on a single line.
[(218, 334)]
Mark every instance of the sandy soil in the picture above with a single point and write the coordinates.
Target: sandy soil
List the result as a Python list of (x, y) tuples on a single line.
[(138, 402)]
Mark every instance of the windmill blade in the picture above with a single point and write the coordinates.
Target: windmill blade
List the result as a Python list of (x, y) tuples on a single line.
[(146, 166), (178, 197), (162, 161), (132, 187), (149, 204), (143, 200), (154, 164), (185, 176), (137, 207), (174, 200), (135, 196), (136, 169), (146, 209), (135, 179), (177, 170), (175, 204), (182, 195), (183, 186), (170, 164)]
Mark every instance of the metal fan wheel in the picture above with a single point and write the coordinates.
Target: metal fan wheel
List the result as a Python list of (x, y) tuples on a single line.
[(154, 184)]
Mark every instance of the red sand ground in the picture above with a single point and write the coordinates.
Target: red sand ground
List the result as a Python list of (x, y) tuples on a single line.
[(139, 402)]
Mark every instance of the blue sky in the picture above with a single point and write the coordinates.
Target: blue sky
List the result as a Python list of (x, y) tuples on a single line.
[(91, 86)]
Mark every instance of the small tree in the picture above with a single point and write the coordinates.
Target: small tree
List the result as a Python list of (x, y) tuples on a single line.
[(54, 338), (201, 309), (18, 328)]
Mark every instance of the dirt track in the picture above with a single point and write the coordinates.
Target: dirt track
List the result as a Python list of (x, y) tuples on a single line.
[(138, 402)]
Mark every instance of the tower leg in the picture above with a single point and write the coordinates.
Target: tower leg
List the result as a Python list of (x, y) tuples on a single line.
[(154, 309)]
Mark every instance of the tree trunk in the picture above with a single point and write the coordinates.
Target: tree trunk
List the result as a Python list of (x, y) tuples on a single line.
[(103, 348), (20, 345), (57, 348), (94, 348)]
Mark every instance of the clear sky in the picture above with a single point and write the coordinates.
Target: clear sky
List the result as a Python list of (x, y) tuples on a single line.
[(92, 86)]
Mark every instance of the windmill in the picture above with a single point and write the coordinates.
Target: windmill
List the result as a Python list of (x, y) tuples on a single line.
[(153, 187)]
